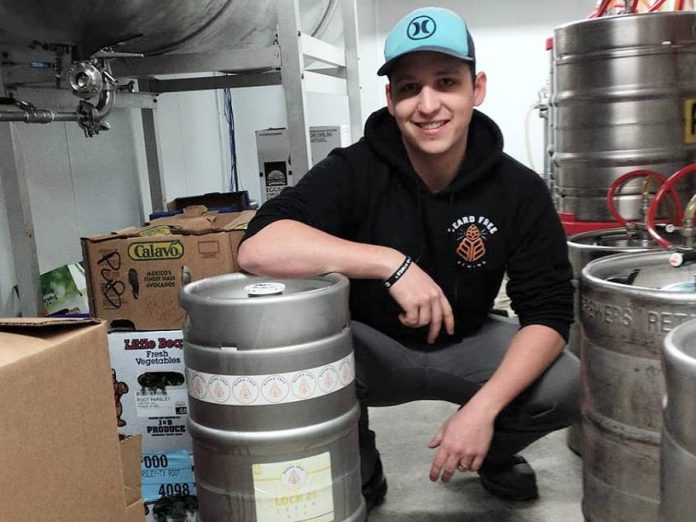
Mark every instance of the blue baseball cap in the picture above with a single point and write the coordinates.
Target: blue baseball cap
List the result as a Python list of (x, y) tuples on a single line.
[(428, 29)]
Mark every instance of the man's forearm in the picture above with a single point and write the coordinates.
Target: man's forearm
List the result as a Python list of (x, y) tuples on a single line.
[(289, 248), (531, 352)]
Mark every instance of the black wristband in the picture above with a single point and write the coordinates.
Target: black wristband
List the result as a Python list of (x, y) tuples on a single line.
[(399, 272)]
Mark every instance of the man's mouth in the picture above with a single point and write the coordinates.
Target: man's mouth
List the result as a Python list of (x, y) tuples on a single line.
[(431, 125)]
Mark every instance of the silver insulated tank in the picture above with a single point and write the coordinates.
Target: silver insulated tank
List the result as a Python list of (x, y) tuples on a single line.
[(623, 98), (678, 450), (628, 303), (273, 409)]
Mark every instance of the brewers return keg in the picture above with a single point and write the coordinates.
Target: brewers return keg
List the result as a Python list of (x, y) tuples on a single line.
[(585, 247), (273, 411), (628, 303), (678, 456)]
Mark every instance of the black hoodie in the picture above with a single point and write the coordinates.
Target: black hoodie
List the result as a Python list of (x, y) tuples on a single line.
[(495, 216)]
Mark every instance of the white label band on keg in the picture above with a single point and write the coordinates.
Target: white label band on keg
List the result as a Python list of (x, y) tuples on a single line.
[(277, 388)]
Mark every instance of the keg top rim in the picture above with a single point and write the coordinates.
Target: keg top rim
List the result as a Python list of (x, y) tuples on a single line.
[(596, 273), (238, 287)]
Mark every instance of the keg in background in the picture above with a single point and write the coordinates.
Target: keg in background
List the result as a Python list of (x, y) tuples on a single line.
[(678, 455), (622, 86), (273, 411), (628, 303)]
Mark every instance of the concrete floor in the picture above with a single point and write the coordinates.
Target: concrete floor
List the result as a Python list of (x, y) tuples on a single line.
[(402, 435)]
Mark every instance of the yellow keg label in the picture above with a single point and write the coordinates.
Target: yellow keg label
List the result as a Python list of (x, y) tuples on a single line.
[(294, 491), (690, 120)]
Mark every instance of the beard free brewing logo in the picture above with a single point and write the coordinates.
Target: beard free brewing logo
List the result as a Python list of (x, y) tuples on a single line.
[(471, 234)]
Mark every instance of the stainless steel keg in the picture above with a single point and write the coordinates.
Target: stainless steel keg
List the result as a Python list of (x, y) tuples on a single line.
[(273, 411), (622, 98), (583, 248), (678, 450), (628, 303)]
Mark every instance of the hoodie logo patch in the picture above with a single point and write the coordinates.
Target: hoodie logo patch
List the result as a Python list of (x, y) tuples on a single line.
[(471, 234), (472, 246)]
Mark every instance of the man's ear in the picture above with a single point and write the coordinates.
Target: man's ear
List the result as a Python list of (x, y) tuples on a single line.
[(479, 88), (390, 102)]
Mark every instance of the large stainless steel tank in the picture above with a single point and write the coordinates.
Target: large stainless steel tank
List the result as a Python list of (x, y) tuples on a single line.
[(273, 409), (678, 450), (155, 26), (628, 303), (622, 87)]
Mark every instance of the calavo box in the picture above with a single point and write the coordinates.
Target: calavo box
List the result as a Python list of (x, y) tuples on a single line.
[(134, 275)]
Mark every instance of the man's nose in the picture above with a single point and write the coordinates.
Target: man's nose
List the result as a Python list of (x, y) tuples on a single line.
[(428, 100)]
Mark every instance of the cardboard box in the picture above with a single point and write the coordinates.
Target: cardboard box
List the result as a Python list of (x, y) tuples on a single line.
[(131, 454), (136, 512), (130, 458), (59, 450), (235, 201), (273, 149), (134, 275), (172, 509), (325, 139), (150, 390), (167, 474)]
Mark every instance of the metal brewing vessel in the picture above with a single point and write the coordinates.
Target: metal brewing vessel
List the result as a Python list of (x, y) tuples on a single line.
[(153, 27), (623, 98), (273, 409), (628, 303), (678, 451)]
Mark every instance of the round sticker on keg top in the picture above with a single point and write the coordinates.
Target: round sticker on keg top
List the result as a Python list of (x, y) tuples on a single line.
[(262, 289)]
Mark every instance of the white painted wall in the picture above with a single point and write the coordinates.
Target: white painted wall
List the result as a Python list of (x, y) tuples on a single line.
[(86, 186)]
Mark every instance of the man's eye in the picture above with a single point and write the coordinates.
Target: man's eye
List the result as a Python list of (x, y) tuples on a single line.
[(447, 82), (408, 88)]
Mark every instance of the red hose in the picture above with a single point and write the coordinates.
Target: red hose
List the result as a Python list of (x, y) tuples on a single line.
[(634, 6), (656, 6), (601, 9), (640, 173), (652, 210)]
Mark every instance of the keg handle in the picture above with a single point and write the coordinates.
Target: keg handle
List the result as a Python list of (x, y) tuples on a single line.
[(652, 178), (686, 222)]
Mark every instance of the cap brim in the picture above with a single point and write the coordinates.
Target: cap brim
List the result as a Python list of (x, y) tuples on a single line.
[(389, 65)]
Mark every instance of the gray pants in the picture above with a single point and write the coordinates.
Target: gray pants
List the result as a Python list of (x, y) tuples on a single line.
[(390, 373)]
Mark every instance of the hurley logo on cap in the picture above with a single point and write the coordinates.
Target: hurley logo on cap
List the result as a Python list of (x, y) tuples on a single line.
[(421, 27), (428, 29)]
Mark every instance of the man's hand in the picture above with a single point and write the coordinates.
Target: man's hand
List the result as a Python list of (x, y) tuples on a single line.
[(423, 302), (462, 442)]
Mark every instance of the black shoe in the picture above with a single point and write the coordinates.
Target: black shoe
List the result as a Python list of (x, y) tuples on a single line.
[(513, 479), (375, 489)]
